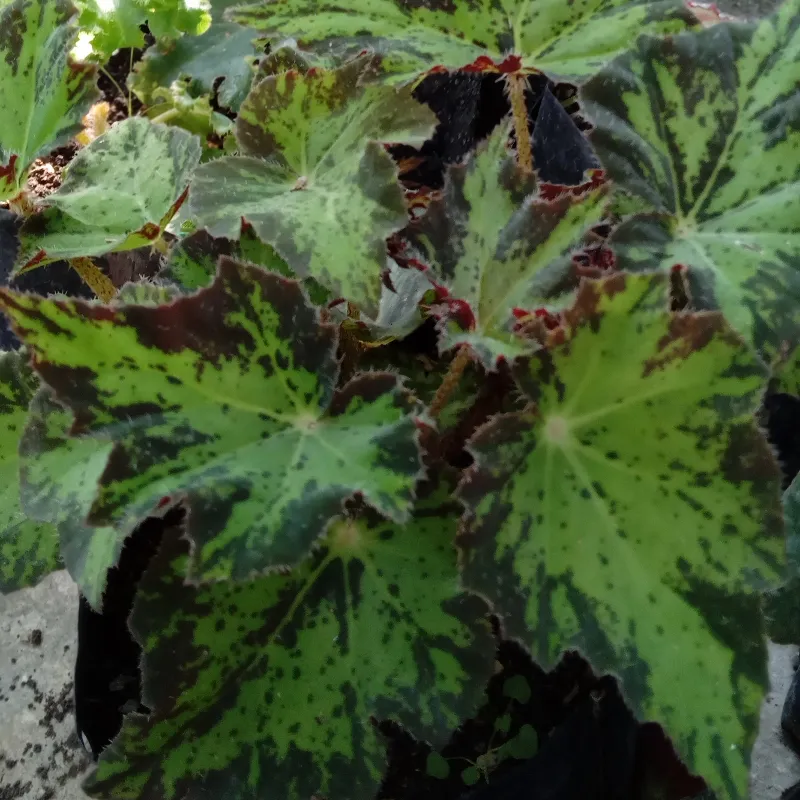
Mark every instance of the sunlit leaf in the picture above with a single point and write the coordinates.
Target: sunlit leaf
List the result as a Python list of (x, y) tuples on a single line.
[(266, 689), (43, 93), (118, 194), (634, 513), (704, 130), (312, 181), (227, 396), (108, 25)]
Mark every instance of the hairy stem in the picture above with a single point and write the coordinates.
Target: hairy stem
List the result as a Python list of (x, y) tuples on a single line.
[(94, 278), (517, 86), (450, 382)]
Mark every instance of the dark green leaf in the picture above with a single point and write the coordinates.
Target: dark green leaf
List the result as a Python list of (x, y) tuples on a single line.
[(704, 130), (634, 514), (265, 689), (227, 396)]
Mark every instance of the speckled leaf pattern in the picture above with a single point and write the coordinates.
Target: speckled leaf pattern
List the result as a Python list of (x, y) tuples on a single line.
[(58, 482), (225, 51), (43, 93), (494, 246), (634, 512), (266, 689), (564, 39), (227, 396), (28, 548), (704, 130), (116, 194), (311, 180)]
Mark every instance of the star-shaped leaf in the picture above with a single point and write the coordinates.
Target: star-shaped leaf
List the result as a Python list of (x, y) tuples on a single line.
[(44, 95), (634, 513), (312, 182), (566, 40), (704, 130), (28, 548), (58, 482), (495, 247), (266, 689), (226, 396), (118, 194)]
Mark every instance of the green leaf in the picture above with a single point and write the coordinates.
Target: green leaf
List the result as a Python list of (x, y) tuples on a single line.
[(118, 194), (437, 766), (59, 475), (193, 261), (109, 25), (565, 40), (517, 688), (635, 512), (227, 396), (43, 93), (28, 549), (524, 745), (704, 130), (266, 689), (225, 51), (312, 182), (494, 246)]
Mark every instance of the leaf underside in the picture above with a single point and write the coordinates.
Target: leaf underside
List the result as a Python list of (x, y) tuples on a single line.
[(639, 484)]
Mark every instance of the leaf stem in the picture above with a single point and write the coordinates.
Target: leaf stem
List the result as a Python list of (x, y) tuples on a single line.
[(94, 278), (517, 86), (450, 382)]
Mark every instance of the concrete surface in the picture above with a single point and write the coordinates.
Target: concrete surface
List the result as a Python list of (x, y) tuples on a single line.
[(40, 756)]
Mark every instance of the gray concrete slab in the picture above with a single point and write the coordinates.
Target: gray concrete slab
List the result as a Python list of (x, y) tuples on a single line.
[(40, 755)]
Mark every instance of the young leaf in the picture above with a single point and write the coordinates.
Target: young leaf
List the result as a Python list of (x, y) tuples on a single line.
[(109, 25), (226, 395), (561, 39), (58, 482), (311, 182), (266, 689), (118, 194), (28, 548), (225, 51), (704, 130), (634, 512), (44, 95), (495, 247)]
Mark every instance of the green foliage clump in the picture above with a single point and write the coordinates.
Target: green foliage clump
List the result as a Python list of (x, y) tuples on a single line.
[(401, 379)]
